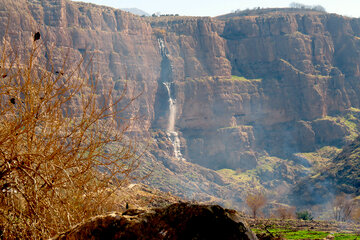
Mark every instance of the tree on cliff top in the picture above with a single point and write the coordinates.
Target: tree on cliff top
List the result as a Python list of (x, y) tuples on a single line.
[(61, 154), (318, 8)]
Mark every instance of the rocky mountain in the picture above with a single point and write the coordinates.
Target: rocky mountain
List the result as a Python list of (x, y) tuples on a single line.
[(228, 103)]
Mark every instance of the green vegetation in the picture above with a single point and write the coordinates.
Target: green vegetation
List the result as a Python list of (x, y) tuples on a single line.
[(255, 178), (289, 233), (243, 79), (350, 121), (304, 215), (247, 179), (321, 158)]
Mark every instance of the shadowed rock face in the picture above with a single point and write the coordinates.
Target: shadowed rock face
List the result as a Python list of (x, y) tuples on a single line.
[(178, 221)]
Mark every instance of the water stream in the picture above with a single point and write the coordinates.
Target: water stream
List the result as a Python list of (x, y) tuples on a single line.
[(168, 83), (172, 134)]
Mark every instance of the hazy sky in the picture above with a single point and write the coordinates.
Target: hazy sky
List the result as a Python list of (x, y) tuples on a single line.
[(218, 7)]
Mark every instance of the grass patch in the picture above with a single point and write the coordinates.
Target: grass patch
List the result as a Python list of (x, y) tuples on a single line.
[(350, 120), (305, 234), (321, 158), (230, 127), (248, 179), (243, 79), (345, 236)]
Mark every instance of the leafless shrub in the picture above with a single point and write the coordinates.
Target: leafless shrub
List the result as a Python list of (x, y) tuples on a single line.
[(343, 206), (355, 213), (59, 164), (285, 212), (256, 201)]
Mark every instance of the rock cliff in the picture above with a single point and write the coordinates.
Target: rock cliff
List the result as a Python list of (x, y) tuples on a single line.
[(273, 78), (250, 90)]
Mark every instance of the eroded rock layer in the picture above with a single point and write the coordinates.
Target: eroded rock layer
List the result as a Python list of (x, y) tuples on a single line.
[(247, 87)]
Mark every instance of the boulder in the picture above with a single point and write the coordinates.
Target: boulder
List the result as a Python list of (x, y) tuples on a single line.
[(177, 221)]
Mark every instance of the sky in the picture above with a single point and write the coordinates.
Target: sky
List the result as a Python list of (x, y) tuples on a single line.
[(350, 8)]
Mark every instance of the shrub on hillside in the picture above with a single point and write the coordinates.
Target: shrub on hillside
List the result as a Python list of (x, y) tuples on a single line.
[(304, 215), (62, 154), (285, 212), (256, 201)]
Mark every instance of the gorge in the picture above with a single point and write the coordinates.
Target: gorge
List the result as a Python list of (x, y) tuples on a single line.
[(255, 100)]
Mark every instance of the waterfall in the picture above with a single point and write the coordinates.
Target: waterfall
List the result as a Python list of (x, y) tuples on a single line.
[(172, 109), (172, 134), (168, 83)]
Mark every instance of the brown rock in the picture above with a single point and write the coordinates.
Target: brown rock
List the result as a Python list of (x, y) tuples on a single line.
[(177, 221)]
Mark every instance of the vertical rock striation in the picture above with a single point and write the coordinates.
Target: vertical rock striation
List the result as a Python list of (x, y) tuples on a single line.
[(269, 83)]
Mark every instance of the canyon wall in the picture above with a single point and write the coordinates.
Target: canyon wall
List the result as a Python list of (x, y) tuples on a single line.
[(267, 84), (249, 84)]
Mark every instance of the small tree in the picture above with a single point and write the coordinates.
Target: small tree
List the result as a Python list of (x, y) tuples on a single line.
[(304, 215), (61, 153), (356, 214), (256, 201), (318, 8), (343, 206), (285, 212)]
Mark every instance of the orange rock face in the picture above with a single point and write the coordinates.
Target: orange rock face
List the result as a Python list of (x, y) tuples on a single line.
[(245, 86)]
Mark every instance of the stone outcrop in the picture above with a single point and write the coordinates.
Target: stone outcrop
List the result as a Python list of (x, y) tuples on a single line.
[(177, 221)]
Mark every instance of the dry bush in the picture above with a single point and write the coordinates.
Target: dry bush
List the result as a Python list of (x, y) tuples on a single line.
[(356, 214), (285, 212), (61, 154), (343, 206), (256, 201)]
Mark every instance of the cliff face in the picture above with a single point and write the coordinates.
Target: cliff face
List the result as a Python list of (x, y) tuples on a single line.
[(291, 71), (121, 44), (245, 87)]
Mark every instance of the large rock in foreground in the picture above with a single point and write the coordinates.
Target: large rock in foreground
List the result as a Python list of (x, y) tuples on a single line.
[(177, 221)]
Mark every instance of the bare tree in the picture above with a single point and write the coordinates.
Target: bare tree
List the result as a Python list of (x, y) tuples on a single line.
[(356, 214), (343, 206), (61, 153), (285, 212), (256, 201)]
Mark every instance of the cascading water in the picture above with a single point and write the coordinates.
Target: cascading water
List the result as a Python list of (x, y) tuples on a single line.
[(172, 109), (172, 134), (170, 130)]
